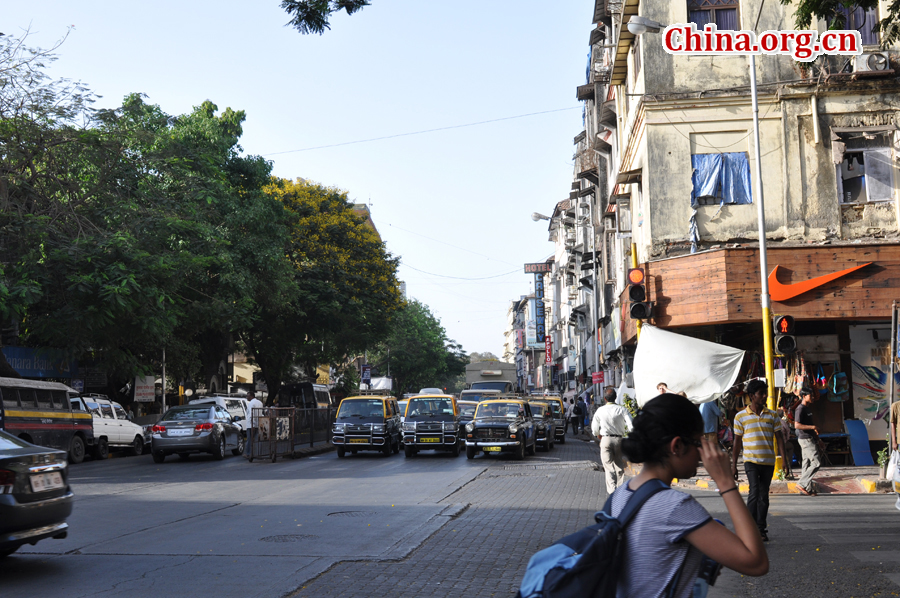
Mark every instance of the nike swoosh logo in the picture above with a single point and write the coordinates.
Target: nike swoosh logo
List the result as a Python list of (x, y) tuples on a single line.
[(784, 292)]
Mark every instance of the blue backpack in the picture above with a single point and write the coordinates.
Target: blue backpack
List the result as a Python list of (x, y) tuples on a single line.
[(587, 562)]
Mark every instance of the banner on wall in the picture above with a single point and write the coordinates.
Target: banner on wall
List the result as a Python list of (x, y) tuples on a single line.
[(870, 349)]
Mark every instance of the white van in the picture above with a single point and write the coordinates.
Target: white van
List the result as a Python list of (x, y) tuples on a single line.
[(112, 428), (237, 407)]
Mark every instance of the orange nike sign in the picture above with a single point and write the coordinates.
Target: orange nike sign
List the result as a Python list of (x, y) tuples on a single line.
[(784, 292)]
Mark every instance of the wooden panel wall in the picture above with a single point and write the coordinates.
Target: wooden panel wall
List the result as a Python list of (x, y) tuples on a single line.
[(723, 286)]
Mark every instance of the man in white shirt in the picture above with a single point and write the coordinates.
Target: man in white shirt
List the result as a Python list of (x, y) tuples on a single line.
[(610, 424), (252, 404)]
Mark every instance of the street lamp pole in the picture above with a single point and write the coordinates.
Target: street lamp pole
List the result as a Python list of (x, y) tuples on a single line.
[(596, 303)]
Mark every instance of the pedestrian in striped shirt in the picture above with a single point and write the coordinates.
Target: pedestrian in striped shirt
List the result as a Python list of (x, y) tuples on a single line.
[(755, 428)]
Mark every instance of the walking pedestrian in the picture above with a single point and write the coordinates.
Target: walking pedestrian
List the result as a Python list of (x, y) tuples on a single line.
[(808, 437), (252, 404), (711, 415), (579, 415), (755, 428), (895, 420), (570, 406), (666, 541), (610, 424)]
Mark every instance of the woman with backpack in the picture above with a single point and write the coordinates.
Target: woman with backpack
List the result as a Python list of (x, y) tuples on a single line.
[(668, 537)]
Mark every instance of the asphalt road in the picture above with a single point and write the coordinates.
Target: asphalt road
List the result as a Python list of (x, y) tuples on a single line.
[(368, 525)]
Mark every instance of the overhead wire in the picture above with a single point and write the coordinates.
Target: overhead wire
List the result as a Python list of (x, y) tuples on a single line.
[(422, 132)]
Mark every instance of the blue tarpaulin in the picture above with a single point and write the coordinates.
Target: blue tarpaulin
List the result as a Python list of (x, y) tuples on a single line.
[(724, 176)]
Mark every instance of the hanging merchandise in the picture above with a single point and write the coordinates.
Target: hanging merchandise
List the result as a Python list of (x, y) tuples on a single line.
[(790, 375), (821, 382), (801, 373), (839, 386)]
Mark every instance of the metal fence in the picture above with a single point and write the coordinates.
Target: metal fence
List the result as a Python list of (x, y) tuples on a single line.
[(281, 431)]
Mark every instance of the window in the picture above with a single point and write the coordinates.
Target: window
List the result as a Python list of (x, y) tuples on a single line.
[(866, 175), (724, 13), (720, 179), (44, 399), (26, 397), (636, 49), (863, 20), (10, 397), (107, 411), (120, 413)]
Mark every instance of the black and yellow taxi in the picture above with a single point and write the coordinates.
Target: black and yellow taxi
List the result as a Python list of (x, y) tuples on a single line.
[(544, 424), (367, 423), (431, 422), (558, 411), (501, 426)]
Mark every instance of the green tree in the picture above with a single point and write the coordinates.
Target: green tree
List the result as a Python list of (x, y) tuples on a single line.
[(417, 352), (311, 16), (831, 11)]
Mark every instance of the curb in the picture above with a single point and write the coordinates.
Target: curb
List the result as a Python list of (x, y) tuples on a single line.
[(864, 485)]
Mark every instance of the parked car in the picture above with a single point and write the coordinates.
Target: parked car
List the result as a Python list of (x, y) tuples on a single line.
[(188, 429), (544, 424), (431, 423), (112, 428), (35, 498), (237, 407), (559, 416), (39, 412), (367, 423), (501, 426)]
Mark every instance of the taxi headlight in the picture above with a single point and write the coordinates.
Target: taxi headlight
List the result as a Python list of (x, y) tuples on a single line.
[(450, 426), (339, 427), (470, 427), (378, 427), (513, 428), (409, 426)]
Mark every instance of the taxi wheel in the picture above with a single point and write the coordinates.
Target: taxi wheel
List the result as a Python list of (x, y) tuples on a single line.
[(341, 451), (548, 445), (470, 452), (386, 448), (520, 452), (533, 449), (455, 451), (409, 451), (397, 448), (563, 439)]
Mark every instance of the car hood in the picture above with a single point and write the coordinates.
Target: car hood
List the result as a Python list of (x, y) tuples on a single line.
[(429, 418), (353, 419), (495, 421)]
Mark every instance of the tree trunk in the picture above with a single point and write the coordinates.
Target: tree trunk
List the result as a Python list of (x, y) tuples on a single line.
[(6, 370)]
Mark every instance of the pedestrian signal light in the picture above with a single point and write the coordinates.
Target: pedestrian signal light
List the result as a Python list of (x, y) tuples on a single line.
[(785, 341), (639, 308)]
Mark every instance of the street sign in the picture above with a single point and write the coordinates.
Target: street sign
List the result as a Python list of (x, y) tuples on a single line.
[(144, 389), (548, 349), (541, 268), (597, 377), (366, 374)]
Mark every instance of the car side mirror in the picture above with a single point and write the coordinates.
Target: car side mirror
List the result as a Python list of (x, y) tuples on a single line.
[(237, 418)]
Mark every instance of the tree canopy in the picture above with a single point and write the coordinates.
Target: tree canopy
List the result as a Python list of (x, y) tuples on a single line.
[(127, 231), (833, 13), (311, 16), (417, 352)]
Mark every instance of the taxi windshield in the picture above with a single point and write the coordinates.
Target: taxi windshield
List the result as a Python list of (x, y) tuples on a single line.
[(361, 408), (467, 410), (511, 410), (539, 409), (429, 406)]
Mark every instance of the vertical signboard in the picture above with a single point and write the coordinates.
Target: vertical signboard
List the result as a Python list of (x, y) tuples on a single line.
[(548, 349), (366, 374), (144, 389), (540, 330)]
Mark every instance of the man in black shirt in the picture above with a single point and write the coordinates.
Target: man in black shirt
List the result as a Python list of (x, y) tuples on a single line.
[(808, 436)]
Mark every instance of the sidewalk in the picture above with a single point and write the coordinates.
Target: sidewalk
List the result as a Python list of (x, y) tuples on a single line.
[(828, 480)]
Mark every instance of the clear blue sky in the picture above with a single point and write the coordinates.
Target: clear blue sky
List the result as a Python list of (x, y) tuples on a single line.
[(455, 205)]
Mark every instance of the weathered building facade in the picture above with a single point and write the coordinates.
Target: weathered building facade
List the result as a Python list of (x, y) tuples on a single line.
[(665, 175)]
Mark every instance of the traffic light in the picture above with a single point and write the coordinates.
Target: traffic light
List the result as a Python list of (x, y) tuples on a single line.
[(785, 341), (639, 308)]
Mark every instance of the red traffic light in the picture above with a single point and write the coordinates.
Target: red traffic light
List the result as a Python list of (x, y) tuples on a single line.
[(784, 325), (636, 276)]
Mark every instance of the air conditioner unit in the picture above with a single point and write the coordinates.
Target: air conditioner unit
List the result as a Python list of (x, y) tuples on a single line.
[(871, 61)]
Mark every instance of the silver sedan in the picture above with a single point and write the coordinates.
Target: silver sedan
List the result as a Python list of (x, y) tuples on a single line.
[(190, 429)]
